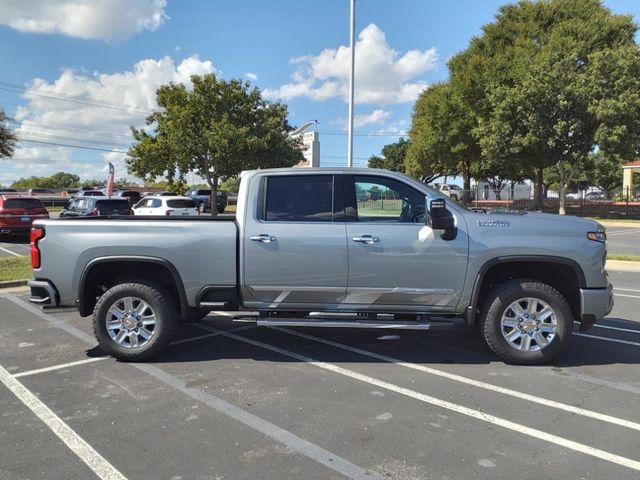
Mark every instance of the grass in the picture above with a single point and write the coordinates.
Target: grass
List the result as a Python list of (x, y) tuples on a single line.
[(623, 257), (15, 268)]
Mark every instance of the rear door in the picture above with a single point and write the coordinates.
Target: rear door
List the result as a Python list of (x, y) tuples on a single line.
[(394, 258), (295, 252), (181, 207)]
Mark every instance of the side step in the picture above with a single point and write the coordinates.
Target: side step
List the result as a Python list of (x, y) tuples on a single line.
[(340, 323)]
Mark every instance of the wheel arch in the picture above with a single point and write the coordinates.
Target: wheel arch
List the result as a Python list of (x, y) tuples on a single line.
[(564, 274), (104, 271)]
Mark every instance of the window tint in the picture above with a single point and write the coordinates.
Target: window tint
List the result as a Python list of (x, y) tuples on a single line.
[(380, 199), (204, 192), (112, 208), (22, 203), (181, 203), (300, 198)]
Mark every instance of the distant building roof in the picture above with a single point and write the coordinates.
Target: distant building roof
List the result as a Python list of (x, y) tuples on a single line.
[(635, 163)]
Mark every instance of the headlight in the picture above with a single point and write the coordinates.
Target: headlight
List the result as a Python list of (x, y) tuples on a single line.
[(597, 236)]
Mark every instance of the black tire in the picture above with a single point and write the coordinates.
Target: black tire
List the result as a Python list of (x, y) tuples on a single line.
[(498, 302), (165, 313), (221, 209), (195, 316)]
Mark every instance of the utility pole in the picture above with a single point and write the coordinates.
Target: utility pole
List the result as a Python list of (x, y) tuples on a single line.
[(351, 83)]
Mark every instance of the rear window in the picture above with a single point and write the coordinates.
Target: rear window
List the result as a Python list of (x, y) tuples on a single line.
[(181, 203), (23, 203), (204, 192), (300, 198), (106, 207)]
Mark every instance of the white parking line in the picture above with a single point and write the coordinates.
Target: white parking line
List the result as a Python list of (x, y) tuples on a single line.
[(624, 295), (623, 232), (57, 367), (609, 327), (96, 462), (477, 414), (10, 252), (606, 339), (469, 381), (627, 289)]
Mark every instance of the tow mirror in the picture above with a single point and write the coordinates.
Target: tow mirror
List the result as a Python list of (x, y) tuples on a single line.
[(440, 218)]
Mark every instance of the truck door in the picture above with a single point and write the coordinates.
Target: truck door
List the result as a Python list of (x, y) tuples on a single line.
[(394, 259), (295, 245)]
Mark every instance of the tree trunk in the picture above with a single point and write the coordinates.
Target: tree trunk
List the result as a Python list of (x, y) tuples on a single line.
[(466, 182), (562, 200), (214, 195), (538, 178)]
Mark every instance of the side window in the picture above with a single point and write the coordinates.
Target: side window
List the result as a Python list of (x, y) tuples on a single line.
[(82, 204), (299, 198), (156, 202), (380, 199)]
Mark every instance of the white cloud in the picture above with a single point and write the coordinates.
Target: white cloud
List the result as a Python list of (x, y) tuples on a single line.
[(376, 117), (251, 76), (88, 19), (94, 111), (383, 75)]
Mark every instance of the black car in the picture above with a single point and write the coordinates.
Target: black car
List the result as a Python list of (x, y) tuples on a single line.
[(96, 206), (132, 195)]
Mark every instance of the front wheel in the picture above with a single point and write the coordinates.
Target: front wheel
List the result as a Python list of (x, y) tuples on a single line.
[(134, 321), (526, 322)]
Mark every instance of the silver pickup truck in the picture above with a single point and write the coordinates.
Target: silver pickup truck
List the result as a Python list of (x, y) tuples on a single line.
[(334, 248)]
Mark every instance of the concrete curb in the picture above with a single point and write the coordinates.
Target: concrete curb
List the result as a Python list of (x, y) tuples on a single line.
[(618, 223), (13, 283), (623, 266)]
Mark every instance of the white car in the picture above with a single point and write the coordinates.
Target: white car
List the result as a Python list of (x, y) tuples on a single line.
[(166, 206)]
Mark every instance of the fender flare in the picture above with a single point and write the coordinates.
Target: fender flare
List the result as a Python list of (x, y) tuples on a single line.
[(182, 297)]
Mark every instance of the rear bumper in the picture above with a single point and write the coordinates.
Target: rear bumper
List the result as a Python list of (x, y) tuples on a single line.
[(595, 303), (43, 293), (22, 228)]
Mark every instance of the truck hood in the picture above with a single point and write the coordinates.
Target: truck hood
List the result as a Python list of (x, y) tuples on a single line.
[(549, 219)]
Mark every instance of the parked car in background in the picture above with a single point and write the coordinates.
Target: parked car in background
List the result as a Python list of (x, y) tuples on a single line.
[(449, 189), (96, 206), (132, 196), (41, 191), (595, 196), (164, 194), (17, 213), (8, 190), (166, 206), (89, 193), (202, 197)]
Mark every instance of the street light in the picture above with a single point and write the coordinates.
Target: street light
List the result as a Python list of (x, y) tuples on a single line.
[(351, 83)]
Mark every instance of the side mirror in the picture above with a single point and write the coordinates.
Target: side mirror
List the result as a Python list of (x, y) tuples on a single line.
[(440, 218)]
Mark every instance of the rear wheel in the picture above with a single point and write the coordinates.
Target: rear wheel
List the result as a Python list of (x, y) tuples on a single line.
[(134, 321), (526, 322)]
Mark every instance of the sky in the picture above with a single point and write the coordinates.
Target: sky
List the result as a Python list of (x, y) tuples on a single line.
[(76, 74)]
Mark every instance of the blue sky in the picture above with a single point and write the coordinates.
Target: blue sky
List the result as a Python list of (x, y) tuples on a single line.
[(81, 76)]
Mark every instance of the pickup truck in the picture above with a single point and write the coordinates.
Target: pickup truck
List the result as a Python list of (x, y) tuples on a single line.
[(329, 248)]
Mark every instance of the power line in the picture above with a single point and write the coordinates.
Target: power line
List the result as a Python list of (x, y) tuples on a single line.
[(74, 146)]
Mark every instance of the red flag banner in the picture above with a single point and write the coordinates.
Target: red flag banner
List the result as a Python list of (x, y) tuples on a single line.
[(110, 179)]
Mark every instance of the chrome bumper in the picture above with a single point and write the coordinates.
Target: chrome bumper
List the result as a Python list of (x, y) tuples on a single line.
[(595, 303)]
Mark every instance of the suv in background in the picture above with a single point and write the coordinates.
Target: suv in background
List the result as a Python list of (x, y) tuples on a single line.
[(96, 206), (202, 197), (132, 196), (17, 213), (167, 206), (41, 191), (449, 189)]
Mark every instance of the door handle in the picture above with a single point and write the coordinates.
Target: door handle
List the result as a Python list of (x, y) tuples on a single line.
[(368, 239), (263, 237)]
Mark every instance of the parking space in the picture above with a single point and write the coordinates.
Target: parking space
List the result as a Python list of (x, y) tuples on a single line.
[(234, 401), (623, 240), (14, 245)]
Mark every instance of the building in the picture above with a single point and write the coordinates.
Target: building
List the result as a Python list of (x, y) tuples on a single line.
[(311, 141)]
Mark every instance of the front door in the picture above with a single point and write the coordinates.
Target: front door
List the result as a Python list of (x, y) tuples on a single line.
[(295, 249), (394, 258)]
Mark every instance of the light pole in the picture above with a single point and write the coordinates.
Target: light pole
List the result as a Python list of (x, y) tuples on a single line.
[(352, 41)]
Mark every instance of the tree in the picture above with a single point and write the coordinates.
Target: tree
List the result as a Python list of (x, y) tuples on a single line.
[(442, 140), (216, 129), (8, 138), (531, 80), (393, 156), (605, 172), (231, 184), (60, 180)]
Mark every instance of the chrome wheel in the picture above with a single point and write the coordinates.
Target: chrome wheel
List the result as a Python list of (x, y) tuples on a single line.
[(131, 322), (529, 324)]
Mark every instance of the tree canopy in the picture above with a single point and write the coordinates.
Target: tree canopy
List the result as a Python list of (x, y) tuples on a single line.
[(8, 138), (393, 156), (58, 180), (216, 129)]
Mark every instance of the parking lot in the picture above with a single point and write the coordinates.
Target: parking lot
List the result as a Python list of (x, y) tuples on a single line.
[(233, 401), (623, 240)]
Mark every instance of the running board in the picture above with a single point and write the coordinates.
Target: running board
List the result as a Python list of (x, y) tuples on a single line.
[(332, 323)]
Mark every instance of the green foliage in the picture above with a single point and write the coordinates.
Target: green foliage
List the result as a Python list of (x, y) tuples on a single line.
[(8, 138), (604, 171), (393, 156), (60, 180), (231, 184), (216, 129)]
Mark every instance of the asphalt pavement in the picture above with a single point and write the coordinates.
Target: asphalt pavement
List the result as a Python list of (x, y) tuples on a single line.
[(623, 240), (231, 401)]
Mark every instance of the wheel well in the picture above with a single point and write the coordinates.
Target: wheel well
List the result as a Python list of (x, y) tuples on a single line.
[(98, 278), (562, 277)]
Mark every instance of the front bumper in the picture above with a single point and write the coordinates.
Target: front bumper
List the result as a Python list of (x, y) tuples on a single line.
[(43, 293), (595, 303)]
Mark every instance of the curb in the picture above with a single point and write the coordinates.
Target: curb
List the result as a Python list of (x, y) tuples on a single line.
[(13, 283), (619, 223), (623, 266)]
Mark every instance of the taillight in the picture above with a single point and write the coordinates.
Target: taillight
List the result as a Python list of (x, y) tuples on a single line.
[(36, 234), (168, 213), (94, 213)]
